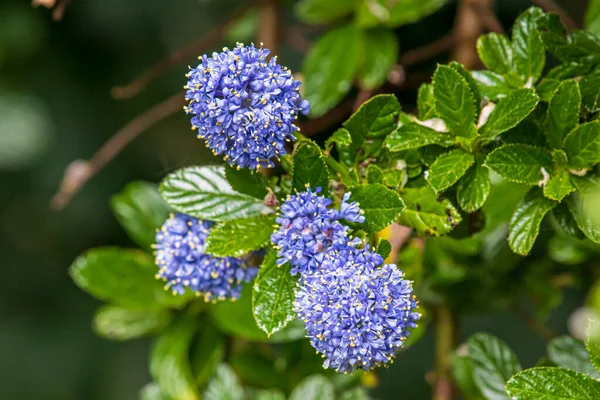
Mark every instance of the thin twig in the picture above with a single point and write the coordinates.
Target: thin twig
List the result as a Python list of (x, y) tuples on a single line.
[(80, 171), (550, 5), (536, 326), (363, 95), (490, 21), (467, 28), (193, 49), (444, 346), (415, 56), (268, 28)]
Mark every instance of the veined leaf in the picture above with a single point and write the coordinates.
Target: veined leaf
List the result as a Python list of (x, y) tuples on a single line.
[(509, 111), (582, 145), (118, 323), (552, 384), (315, 387), (381, 49), (546, 88), (473, 188), (449, 168), (426, 214), (525, 222), (322, 11), (592, 344), (414, 136), (495, 51), (374, 174), (491, 85), (454, 101), (558, 186), (426, 102), (567, 352), (224, 386), (520, 163), (381, 205), (310, 168), (375, 118), (529, 54), (583, 205), (240, 236), (247, 181), (340, 137), (563, 113)]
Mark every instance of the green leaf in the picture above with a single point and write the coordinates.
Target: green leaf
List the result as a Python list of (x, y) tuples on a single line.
[(123, 277), (462, 372), (380, 53), (247, 181), (491, 85), (592, 17), (426, 102), (141, 211), (509, 111), (269, 395), (493, 364), (118, 323), (473, 189), (381, 205), (525, 222), (549, 383), (558, 186), (169, 363), (393, 177), (564, 218), (426, 214), (330, 67), (273, 295), (583, 205), (374, 174), (310, 169), (582, 145), (592, 344), (454, 101), (529, 54), (563, 113), (322, 11), (590, 92), (236, 318), (449, 168), (358, 393), (414, 136), (152, 392), (495, 51), (570, 353), (203, 192), (224, 386), (238, 237), (315, 387), (520, 163), (409, 11), (546, 89), (473, 86), (384, 248), (339, 137), (207, 353)]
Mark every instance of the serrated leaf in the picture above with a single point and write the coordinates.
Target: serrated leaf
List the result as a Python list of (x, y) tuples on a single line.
[(493, 364), (529, 54), (315, 387), (224, 386), (380, 53), (118, 323), (473, 86), (590, 92), (140, 210), (583, 205), (563, 113), (552, 384), (509, 111), (414, 136), (376, 118), (322, 11), (546, 88), (426, 214), (341, 137), (520, 163), (454, 102), (491, 85), (392, 177), (207, 353), (381, 205), (238, 237), (330, 67), (558, 186), (592, 344), (169, 363), (567, 352), (582, 145), (374, 174), (526, 220), (310, 169), (592, 17), (384, 248), (273, 295), (426, 102), (473, 189), (203, 192), (122, 276), (449, 168), (495, 50), (236, 318), (247, 181)]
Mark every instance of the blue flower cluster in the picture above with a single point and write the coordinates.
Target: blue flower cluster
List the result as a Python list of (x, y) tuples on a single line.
[(244, 105), (356, 313), (182, 263), (308, 229)]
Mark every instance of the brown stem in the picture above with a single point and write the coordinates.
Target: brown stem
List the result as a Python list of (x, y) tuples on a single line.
[(80, 171), (269, 29), (210, 39), (411, 57), (550, 5), (536, 326), (363, 95), (444, 346), (467, 28)]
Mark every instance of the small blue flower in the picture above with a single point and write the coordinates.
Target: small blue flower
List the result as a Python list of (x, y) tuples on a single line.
[(244, 105), (356, 314), (182, 263), (307, 229)]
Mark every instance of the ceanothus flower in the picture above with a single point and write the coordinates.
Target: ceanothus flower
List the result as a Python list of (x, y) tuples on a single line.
[(182, 263), (244, 105), (356, 314), (307, 229)]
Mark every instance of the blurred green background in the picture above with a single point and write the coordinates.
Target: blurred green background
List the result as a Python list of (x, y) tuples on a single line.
[(55, 106)]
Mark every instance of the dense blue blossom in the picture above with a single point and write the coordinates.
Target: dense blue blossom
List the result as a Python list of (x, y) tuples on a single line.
[(308, 229), (244, 105), (182, 263), (356, 314)]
